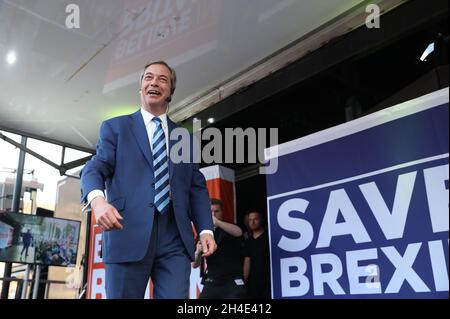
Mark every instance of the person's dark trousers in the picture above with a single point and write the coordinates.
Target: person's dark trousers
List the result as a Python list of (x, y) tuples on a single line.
[(223, 289), (25, 248), (166, 262)]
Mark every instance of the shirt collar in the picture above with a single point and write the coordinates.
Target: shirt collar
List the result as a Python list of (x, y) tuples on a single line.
[(148, 117)]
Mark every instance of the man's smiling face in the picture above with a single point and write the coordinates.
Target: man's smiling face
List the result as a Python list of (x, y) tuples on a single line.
[(155, 86)]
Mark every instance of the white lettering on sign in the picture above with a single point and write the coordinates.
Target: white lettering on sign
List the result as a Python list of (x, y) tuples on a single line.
[(361, 271)]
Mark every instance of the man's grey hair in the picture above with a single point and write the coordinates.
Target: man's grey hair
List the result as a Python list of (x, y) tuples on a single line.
[(173, 77)]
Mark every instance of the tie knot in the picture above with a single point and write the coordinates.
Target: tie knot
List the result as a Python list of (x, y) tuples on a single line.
[(157, 120)]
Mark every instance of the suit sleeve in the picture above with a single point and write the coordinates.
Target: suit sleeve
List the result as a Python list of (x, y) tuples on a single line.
[(200, 203), (101, 165)]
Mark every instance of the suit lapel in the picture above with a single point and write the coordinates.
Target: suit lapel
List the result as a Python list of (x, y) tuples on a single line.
[(170, 125), (140, 133)]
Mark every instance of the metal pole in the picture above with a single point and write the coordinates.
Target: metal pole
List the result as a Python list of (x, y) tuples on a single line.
[(25, 283), (86, 252), (47, 289), (15, 208), (19, 289), (37, 275)]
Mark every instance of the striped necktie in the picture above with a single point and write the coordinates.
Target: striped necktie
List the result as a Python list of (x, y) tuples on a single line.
[(160, 167)]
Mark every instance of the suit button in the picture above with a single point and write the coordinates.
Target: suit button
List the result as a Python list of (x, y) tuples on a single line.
[(153, 184), (151, 205)]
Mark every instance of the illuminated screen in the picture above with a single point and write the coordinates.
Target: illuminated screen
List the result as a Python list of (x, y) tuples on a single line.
[(32, 239)]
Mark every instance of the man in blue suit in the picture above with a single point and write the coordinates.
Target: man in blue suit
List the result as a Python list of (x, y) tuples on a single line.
[(151, 200)]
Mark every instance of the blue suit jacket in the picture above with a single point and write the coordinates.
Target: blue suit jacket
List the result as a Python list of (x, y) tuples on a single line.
[(123, 163)]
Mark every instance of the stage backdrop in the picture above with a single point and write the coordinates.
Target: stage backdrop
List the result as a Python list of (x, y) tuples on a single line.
[(220, 183), (361, 210)]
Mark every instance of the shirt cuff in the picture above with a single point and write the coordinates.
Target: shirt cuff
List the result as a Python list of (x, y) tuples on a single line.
[(207, 231), (93, 194)]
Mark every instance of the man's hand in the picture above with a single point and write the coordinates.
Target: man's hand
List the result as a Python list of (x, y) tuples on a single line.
[(208, 243), (106, 216)]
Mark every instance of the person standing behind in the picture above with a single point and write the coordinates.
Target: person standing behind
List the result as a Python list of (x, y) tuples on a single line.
[(223, 279), (247, 232), (27, 240), (257, 259)]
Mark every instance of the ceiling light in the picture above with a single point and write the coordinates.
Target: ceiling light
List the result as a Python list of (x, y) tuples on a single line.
[(11, 57), (427, 52)]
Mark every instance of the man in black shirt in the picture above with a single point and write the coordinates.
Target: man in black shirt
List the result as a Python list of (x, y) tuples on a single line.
[(223, 279), (257, 259)]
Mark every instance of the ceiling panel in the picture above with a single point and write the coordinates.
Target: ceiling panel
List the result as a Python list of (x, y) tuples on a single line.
[(66, 81)]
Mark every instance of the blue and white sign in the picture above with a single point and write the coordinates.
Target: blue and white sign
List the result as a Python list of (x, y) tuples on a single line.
[(361, 210)]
